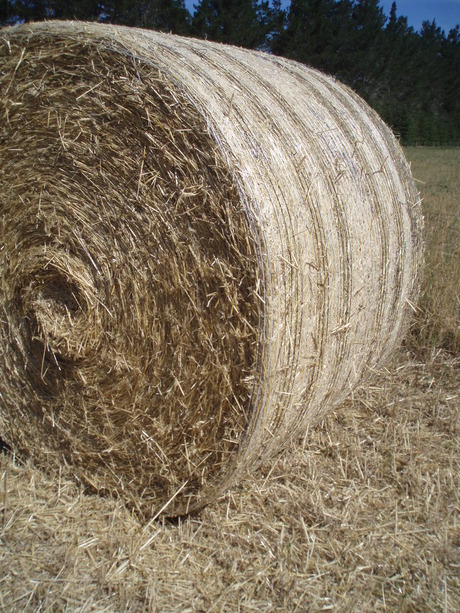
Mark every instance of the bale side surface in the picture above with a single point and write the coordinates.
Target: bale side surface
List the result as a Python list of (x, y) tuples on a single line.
[(204, 249)]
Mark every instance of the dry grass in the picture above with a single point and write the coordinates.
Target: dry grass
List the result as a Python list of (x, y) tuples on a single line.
[(438, 323), (204, 249), (361, 514), (128, 309)]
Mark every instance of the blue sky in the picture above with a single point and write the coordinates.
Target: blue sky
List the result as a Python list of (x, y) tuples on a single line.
[(445, 12)]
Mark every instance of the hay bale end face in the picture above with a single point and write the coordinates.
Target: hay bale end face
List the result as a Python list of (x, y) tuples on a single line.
[(203, 249)]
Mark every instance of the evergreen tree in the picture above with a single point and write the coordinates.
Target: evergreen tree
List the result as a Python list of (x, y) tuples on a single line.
[(87, 10), (237, 22), (397, 80), (5, 12), (365, 51), (274, 24), (451, 63), (309, 34), (24, 10), (165, 15), (429, 90)]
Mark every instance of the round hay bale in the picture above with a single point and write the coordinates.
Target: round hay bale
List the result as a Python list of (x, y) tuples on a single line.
[(203, 249)]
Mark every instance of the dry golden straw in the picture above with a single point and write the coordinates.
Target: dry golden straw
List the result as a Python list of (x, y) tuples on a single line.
[(203, 249)]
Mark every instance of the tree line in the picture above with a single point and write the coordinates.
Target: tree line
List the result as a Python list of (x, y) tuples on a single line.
[(411, 78)]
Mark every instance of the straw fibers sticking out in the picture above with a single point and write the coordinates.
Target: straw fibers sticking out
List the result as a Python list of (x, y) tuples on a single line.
[(203, 249)]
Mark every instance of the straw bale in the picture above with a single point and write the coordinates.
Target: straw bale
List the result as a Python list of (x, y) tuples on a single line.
[(203, 250)]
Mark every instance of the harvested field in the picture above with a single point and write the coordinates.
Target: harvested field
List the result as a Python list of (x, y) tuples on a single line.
[(361, 513)]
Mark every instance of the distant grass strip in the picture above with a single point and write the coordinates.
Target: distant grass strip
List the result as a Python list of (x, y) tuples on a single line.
[(438, 321)]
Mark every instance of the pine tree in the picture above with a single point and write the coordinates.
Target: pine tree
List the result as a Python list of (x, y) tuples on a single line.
[(397, 76), (274, 21), (5, 12), (451, 55), (87, 10), (317, 34), (237, 22), (308, 32), (365, 55), (164, 15), (24, 10)]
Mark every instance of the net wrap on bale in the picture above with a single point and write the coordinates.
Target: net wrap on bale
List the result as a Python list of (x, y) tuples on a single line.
[(203, 249)]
